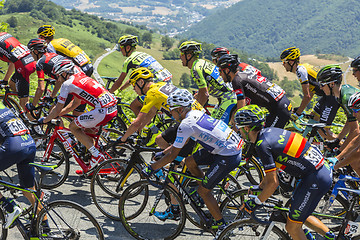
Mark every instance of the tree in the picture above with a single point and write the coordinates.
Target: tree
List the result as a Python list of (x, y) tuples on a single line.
[(3, 25), (147, 39), (167, 42), (12, 21), (185, 80)]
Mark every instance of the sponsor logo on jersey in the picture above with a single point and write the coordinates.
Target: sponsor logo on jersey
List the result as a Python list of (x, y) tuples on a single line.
[(89, 98)]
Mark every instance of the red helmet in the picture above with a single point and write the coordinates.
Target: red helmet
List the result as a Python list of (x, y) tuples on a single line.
[(37, 44), (218, 52)]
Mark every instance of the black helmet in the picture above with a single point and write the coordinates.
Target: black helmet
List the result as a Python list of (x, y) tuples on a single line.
[(218, 52), (356, 62), (37, 44), (230, 61), (330, 73)]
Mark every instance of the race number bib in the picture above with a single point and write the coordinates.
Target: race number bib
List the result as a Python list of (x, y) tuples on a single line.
[(106, 99), (275, 92), (314, 156), (17, 127), (351, 228), (163, 76), (81, 59), (20, 51)]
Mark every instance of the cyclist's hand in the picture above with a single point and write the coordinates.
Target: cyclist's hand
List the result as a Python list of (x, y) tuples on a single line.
[(147, 171), (29, 106), (254, 189), (158, 156), (333, 143), (332, 160), (251, 205), (41, 120)]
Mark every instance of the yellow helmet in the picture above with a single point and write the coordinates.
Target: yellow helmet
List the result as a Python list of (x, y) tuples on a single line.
[(46, 31), (292, 53), (128, 40), (141, 73), (191, 46)]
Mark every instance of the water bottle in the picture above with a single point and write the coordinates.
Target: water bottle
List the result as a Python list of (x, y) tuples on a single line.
[(196, 197)]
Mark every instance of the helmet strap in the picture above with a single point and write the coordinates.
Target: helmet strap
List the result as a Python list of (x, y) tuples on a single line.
[(292, 66), (228, 77), (188, 60), (142, 87), (128, 52)]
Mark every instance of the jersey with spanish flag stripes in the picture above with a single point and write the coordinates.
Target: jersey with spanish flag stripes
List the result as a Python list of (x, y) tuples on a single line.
[(289, 151)]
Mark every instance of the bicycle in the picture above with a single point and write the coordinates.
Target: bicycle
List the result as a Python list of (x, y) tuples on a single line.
[(140, 201), (58, 145), (67, 220), (262, 223)]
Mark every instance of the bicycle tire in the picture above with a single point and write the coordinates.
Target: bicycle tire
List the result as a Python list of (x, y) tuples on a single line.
[(66, 217), (59, 157), (135, 210), (249, 229), (104, 183), (3, 231), (11, 104), (252, 165), (107, 140), (230, 185), (124, 117)]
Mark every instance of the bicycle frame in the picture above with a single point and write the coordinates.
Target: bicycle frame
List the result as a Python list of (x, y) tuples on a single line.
[(59, 133)]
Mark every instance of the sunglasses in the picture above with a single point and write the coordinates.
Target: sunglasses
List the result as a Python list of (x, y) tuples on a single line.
[(356, 110), (173, 108)]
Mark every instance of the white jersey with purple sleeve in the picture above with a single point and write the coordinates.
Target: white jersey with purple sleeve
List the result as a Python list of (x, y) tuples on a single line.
[(213, 134)]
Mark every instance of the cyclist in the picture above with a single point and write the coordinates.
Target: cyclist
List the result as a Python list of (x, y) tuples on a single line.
[(207, 77), (217, 52), (156, 95), (278, 148), (256, 89), (355, 64), (17, 147), (19, 58), (350, 154), (336, 95), (66, 48), (222, 149), (135, 59), (85, 89), (45, 65), (306, 73)]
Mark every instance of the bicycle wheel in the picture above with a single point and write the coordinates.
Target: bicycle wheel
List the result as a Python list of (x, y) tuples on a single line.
[(68, 220), (229, 184), (255, 173), (11, 104), (107, 141), (58, 157), (249, 229), (138, 218), (105, 181), (3, 231), (124, 118)]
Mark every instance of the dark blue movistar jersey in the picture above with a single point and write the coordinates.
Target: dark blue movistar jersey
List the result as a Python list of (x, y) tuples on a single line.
[(10, 125), (288, 151)]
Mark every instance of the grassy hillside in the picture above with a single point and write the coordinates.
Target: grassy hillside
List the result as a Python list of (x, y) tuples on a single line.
[(266, 27)]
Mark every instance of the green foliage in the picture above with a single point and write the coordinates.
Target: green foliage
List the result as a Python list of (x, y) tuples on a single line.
[(167, 42), (265, 27), (185, 81), (3, 25), (290, 87), (172, 54), (12, 21), (147, 39)]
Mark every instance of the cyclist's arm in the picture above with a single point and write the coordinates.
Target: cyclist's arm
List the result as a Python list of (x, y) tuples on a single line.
[(71, 106), (56, 89), (240, 103), (269, 185), (39, 91), (168, 158), (344, 156), (118, 82), (139, 123), (306, 99), (127, 84), (9, 72), (54, 112), (350, 128), (202, 96)]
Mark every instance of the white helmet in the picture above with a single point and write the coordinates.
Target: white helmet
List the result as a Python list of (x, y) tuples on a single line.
[(180, 98), (64, 66)]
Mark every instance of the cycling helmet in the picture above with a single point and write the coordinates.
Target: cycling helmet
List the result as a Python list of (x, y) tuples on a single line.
[(230, 61), (218, 52), (141, 73), (64, 66), (191, 46), (356, 62), (292, 53), (250, 115), (330, 73), (37, 44), (180, 98), (354, 101), (46, 31), (128, 40)]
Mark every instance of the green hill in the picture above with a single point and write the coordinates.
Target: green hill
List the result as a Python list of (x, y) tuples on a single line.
[(266, 27)]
